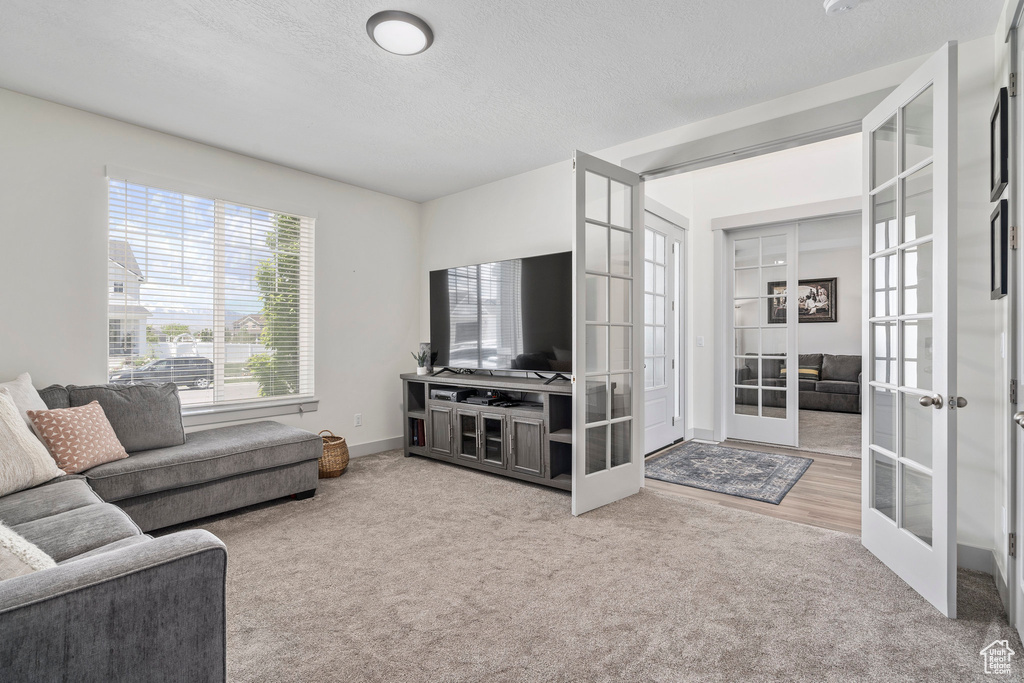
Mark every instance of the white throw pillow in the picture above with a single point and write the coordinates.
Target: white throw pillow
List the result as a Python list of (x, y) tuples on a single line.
[(24, 460), (19, 556), (25, 396)]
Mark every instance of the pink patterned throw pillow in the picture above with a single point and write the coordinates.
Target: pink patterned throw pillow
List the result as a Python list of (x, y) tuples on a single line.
[(77, 438)]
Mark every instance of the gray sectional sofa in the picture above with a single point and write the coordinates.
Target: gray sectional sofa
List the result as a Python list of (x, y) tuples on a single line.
[(837, 389), (121, 605)]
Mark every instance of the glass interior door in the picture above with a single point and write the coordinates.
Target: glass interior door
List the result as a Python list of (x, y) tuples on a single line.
[(909, 463), (763, 299), (608, 339)]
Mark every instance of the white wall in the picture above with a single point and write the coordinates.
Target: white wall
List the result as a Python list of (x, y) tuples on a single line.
[(53, 256), (493, 216)]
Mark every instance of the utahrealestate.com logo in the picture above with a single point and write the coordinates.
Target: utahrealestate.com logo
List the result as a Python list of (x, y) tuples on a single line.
[(997, 656)]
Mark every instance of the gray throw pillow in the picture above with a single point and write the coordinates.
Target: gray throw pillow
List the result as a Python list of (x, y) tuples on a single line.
[(55, 396), (144, 416)]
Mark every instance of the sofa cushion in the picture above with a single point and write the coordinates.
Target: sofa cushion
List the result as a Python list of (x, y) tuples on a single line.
[(836, 387), (78, 531), (842, 368), (24, 462), (205, 456), (116, 545), (77, 438), (144, 416), (45, 501), (777, 382), (807, 385), (55, 396), (24, 396), (811, 360)]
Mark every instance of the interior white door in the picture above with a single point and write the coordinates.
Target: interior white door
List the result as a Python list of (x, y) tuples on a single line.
[(663, 298), (763, 378), (908, 502), (608, 248)]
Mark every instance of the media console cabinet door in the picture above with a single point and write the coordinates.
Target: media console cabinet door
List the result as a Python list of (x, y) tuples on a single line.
[(492, 446), (439, 423), (467, 439), (527, 445)]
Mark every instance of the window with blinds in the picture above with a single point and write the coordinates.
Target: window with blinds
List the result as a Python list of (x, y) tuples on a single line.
[(214, 296)]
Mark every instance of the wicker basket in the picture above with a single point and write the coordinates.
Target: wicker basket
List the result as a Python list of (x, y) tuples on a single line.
[(335, 458)]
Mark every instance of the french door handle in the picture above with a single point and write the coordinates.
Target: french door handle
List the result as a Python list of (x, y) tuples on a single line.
[(1018, 417), (931, 401)]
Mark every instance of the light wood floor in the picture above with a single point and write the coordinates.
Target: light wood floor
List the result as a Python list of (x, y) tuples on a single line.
[(827, 495)]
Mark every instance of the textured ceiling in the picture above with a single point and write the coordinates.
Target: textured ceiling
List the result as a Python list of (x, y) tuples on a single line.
[(507, 86)]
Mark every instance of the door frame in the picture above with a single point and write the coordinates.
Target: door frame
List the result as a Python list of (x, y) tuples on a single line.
[(759, 219), (682, 313)]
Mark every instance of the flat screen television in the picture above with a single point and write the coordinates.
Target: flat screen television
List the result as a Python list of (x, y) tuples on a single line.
[(505, 315)]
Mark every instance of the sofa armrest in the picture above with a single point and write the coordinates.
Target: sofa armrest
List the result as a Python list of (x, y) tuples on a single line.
[(742, 374), (152, 611)]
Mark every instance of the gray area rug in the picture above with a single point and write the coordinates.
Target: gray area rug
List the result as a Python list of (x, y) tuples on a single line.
[(406, 569), (767, 477)]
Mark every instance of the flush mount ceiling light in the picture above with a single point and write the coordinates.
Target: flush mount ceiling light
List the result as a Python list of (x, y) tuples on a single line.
[(400, 33), (833, 7)]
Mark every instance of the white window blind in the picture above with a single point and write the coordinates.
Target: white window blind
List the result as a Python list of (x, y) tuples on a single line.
[(212, 295)]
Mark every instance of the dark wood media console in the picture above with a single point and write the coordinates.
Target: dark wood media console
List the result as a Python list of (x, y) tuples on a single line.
[(532, 442)]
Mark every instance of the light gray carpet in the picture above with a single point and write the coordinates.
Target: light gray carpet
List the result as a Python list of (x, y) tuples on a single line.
[(413, 570), (833, 433)]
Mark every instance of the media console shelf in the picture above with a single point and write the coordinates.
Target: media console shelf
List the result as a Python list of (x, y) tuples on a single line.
[(531, 441)]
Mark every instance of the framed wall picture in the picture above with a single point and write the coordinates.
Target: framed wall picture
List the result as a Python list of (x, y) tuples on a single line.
[(1000, 227), (998, 147), (816, 300)]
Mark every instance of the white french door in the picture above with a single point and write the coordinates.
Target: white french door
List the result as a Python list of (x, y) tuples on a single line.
[(761, 295), (908, 502), (663, 359), (608, 250)]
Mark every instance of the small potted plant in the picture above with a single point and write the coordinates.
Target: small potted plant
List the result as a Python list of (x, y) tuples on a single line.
[(422, 358)]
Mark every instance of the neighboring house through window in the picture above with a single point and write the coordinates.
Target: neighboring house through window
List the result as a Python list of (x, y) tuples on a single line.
[(212, 295)]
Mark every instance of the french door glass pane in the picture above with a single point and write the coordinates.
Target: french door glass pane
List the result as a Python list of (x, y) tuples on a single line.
[(747, 284), (746, 401), (917, 354), (773, 404), (918, 127), (917, 503), (883, 212), (621, 205), (597, 248), (884, 339), (620, 443), (597, 298), (620, 300), (746, 252), (597, 348), (773, 341), (597, 399), (883, 485), (883, 418), (745, 312), (746, 342), (917, 204), (917, 279), (620, 343), (773, 250), (917, 430), (597, 449), (885, 286), (596, 198), (622, 395), (621, 252), (884, 146)]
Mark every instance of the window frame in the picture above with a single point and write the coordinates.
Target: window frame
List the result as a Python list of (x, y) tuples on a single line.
[(229, 411)]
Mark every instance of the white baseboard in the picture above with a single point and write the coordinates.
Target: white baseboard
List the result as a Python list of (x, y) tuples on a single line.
[(371, 447), (973, 557), (704, 434)]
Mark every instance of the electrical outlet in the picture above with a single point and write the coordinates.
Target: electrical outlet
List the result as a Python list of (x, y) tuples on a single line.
[(359, 419)]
